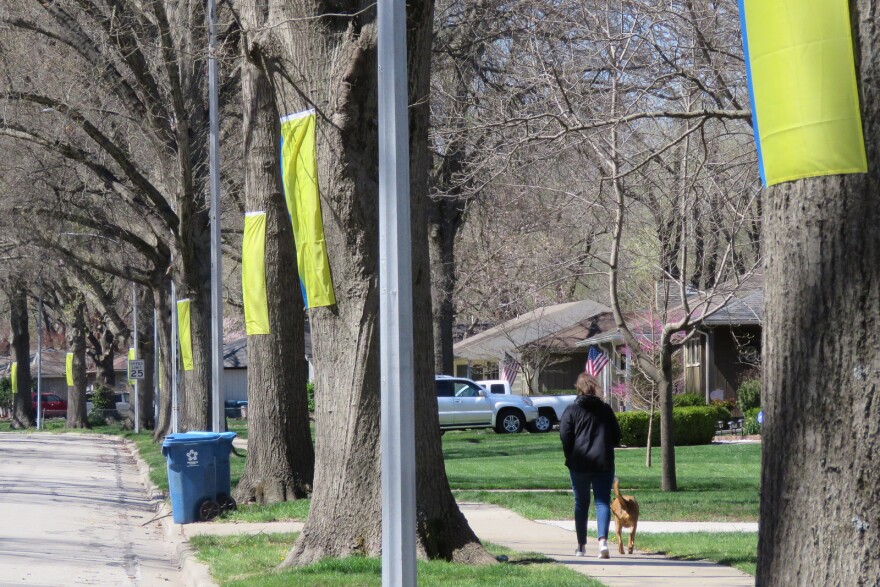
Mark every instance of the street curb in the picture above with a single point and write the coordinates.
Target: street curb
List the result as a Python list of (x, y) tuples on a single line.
[(195, 572)]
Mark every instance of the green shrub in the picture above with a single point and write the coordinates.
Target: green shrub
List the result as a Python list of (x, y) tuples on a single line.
[(692, 425), (748, 396), (310, 390), (102, 398), (6, 393), (96, 418), (751, 426), (688, 399)]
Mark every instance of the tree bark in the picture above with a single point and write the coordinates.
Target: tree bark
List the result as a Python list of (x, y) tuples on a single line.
[(445, 217), (162, 301), (22, 402), (280, 463), (339, 64), (103, 354), (667, 432), (146, 352), (820, 483), (76, 344)]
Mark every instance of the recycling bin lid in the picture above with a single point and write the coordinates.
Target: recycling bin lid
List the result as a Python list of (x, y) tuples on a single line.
[(196, 437)]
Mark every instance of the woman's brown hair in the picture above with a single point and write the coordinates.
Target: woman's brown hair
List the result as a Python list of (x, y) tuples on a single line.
[(587, 385)]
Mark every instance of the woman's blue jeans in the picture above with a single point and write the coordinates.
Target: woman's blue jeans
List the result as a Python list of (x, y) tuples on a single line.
[(601, 482)]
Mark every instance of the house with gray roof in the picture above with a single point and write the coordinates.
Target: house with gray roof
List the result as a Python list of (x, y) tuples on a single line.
[(725, 350), (539, 344)]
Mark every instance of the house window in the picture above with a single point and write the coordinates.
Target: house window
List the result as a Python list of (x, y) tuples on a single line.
[(692, 354)]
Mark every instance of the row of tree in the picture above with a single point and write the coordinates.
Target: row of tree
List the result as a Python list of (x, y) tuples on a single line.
[(560, 150)]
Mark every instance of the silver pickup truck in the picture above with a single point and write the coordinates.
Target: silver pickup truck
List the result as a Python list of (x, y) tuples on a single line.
[(464, 404), (550, 407)]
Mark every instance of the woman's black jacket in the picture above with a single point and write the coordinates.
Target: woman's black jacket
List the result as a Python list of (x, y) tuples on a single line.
[(589, 433)]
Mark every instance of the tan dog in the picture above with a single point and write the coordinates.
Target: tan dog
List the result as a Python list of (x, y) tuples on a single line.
[(626, 514)]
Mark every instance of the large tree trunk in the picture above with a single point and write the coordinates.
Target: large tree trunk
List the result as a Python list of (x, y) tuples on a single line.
[(103, 353), (280, 462), (195, 385), (76, 344), (339, 61), (146, 352), (820, 483), (22, 402), (445, 216), (162, 300)]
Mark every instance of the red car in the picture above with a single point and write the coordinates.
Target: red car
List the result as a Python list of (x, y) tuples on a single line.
[(51, 405)]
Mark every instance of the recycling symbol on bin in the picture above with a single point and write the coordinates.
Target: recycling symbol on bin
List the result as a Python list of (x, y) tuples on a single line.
[(192, 458)]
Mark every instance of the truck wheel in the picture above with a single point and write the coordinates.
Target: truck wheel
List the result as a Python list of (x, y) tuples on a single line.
[(543, 423), (509, 422)]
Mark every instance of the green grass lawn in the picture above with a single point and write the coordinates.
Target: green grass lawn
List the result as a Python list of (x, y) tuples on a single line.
[(246, 561), (716, 482), (734, 549)]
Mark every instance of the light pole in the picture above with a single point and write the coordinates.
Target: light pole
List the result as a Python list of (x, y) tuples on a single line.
[(156, 364), (216, 257), (40, 359), (134, 321), (175, 408), (395, 305)]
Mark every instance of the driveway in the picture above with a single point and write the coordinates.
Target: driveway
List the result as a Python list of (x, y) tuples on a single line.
[(73, 511)]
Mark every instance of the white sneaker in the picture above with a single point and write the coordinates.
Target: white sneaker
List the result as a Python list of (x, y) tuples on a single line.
[(581, 551), (603, 549)]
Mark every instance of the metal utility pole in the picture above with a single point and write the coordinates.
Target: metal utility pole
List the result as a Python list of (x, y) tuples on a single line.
[(155, 364), (395, 304), (175, 407), (216, 257), (134, 344), (40, 360)]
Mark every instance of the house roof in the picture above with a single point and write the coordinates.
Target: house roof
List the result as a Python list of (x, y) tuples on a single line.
[(492, 344), (567, 339), (745, 306)]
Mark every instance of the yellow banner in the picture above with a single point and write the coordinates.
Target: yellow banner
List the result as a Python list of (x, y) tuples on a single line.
[(184, 334), (253, 273), (299, 170), (13, 374), (802, 82), (131, 357), (68, 369)]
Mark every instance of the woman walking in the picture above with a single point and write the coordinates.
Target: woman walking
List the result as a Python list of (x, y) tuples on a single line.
[(589, 433)]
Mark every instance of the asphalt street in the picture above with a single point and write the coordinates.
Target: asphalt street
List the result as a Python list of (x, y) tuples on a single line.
[(74, 511)]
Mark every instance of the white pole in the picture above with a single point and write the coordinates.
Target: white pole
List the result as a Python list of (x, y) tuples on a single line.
[(174, 407), (134, 320), (395, 304), (155, 363), (216, 257), (40, 360)]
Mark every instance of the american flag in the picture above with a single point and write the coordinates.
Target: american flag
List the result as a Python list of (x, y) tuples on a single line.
[(596, 361), (509, 368)]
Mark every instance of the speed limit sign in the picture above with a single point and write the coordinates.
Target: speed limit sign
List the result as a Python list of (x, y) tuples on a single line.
[(136, 369)]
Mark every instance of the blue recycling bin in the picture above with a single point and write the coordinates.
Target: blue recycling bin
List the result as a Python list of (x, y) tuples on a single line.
[(198, 474)]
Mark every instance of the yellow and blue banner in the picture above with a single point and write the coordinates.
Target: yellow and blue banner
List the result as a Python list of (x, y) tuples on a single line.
[(253, 274), (803, 89), (184, 334), (299, 171), (68, 369), (13, 375)]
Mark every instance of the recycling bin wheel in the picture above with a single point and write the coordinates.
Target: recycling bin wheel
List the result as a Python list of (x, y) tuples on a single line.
[(227, 504), (209, 510)]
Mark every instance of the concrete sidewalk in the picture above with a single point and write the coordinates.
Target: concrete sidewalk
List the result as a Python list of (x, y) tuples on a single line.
[(506, 528)]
